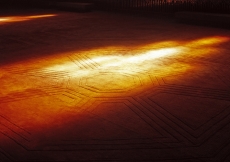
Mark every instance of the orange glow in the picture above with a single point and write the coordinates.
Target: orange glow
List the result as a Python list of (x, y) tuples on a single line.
[(138, 60), (126, 62), (4, 19), (142, 59), (88, 86), (52, 96), (208, 41), (22, 18)]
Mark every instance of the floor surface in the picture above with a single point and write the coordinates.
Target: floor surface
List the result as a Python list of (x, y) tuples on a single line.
[(111, 87)]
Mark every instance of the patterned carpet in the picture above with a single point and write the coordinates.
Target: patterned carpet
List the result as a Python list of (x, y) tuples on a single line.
[(110, 87)]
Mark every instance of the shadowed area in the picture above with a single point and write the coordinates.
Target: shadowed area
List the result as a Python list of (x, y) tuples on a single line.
[(111, 87)]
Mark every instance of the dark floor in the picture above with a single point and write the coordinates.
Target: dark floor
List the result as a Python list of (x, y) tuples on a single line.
[(110, 87)]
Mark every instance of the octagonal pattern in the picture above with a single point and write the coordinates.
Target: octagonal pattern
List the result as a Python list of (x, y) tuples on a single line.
[(113, 87), (182, 107), (110, 82)]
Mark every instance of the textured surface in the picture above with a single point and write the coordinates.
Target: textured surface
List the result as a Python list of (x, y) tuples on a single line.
[(106, 87)]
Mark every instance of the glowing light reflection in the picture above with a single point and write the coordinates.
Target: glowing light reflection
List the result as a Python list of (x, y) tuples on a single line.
[(208, 41), (141, 59), (22, 18), (126, 62), (4, 19), (137, 61)]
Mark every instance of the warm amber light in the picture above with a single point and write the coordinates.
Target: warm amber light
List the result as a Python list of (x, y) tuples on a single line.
[(208, 41), (142, 57), (4, 19), (133, 60), (40, 16), (22, 18), (63, 83), (142, 61)]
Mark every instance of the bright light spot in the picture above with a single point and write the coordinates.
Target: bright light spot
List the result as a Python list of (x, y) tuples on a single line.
[(208, 41), (22, 18), (40, 16), (142, 58), (4, 19), (122, 61), (67, 66), (125, 62), (153, 54)]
